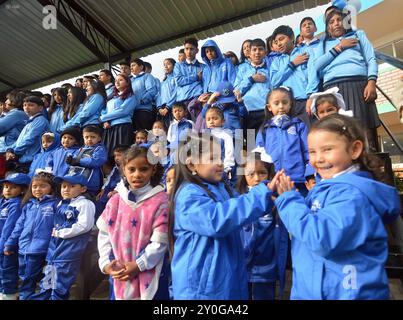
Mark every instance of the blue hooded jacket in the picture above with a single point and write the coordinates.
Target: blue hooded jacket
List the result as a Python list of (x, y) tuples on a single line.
[(56, 121), (357, 61), (219, 70), (208, 260), (119, 111), (11, 126), (40, 159), (28, 142), (187, 81), (145, 89), (287, 146), (57, 160), (10, 211), (253, 93), (167, 94), (339, 241), (33, 229)]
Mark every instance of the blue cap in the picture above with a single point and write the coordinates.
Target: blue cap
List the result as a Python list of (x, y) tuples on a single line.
[(17, 178), (226, 90), (309, 171), (73, 179)]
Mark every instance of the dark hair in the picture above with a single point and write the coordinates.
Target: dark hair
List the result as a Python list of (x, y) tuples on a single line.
[(331, 14), (216, 109), (136, 151), (242, 185), (306, 19), (124, 63), (267, 114), (352, 129), (66, 85), (121, 148), (182, 51), (44, 176), (34, 99), (141, 131), (310, 177), (193, 146), (331, 8), (108, 73), (16, 98), (330, 98), (163, 124), (88, 77), (148, 66), (127, 92), (36, 93), (98, 87), (257, 43), (285, 30), (192, 41), (242, 55), (72, 107), (93, 129), (79, 79), (139, 62), (230, 55), (62, 92), (179, 105), (269, 42)]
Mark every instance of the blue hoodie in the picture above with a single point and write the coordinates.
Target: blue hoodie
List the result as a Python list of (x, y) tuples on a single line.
[(357, 61), (57, 160), (11, 126), (40, 159), (56, 121), (219, 70), (119, 111), (284, 73), (253, 93), (208, 260), (33, 229), (339, 241), (145, 89), (187, 81), (28, 142), (167, 94), (287, 146), (10, 211)]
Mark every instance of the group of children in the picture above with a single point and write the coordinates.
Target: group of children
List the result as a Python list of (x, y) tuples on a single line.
[(178, 215)]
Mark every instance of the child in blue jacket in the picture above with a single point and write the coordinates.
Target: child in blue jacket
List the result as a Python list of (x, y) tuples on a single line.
[(284, 137), (31, 235), (50, 142), (73, 222), (266, 240), (167, 95), (339, 241), (70, 144), (22, 152), (14, 187), (89, 159), (205, 220)]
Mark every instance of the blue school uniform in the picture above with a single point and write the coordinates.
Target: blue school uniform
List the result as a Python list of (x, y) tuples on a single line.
[(188, 84), (40, 159), (109, 91), (11, 125), (89, 113), (10, 211), (232, 114), (219, 70), (286, 143), (178, 129), (284, 73), (57, 160), (167, 94), (67, 247), (57, 121), (357, 61), (253, 93), (73, 121), (339, 242), (28, 142), (145, 90), (208, 260), (31, 237), (110, 184), (119, 111)]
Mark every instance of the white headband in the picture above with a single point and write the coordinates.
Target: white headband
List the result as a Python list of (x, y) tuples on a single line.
[(333, 91)]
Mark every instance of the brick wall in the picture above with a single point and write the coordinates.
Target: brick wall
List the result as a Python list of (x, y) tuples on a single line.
[(387, 81)]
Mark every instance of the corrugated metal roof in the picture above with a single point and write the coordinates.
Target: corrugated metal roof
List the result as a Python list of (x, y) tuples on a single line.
[(31, 56)]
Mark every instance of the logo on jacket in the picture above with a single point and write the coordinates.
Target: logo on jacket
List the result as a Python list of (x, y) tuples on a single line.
[(4, 213), (69, 214), (292, 130), (316, 206), (47, 211)]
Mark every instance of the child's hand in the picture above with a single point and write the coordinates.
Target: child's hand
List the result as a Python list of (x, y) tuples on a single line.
[(100, 194), (107, 125), (163, 111), (203, 98), (370, 91), (301, 59), (348, 43), (114, 268), (284, 184), (8, 253), (258, 77), (130, 271), (308, 106), (110, 194), (10, 156), (200, 75), (272, 185), (213, 97), (238, 95)]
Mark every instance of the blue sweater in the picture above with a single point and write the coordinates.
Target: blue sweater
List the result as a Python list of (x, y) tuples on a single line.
[(40, 159), (253, 93), (88, 114), (217, 71), (33, 229), (74, 121), (146, 90), (167, 94), (57, 160), (109, 91), (208, 260), (11, 125), (357, 61), (56, 121), (10, 211), (287, 146), (187, 81), (339, 242), (119, 111), (28, 143)]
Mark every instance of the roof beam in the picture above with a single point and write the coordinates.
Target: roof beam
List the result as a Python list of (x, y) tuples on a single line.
[(76, 32), (6, 82)]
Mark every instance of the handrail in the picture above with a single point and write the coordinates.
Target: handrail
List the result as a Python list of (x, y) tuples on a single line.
[(396, 62)]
